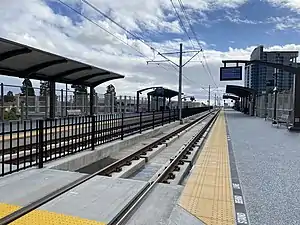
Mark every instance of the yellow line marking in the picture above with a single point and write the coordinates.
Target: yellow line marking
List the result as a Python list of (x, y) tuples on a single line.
[(208, 193), (39, 217)]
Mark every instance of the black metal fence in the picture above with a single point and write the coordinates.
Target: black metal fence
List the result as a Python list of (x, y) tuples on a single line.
[(32, 143)]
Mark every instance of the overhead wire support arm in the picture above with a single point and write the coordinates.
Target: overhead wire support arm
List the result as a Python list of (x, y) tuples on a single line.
[(191, 58), (167, 59), (170, 53), (157, 61)]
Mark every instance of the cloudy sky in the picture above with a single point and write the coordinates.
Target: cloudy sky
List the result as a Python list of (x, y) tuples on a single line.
[(224, 29)]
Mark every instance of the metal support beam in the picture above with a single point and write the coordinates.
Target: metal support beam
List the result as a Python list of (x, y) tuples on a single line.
[(95, 84), (13, 53), (82, 79), (52, 100), (38, 67), (137, 101), (69, 72), (296, 116), (92, 101), (148, 98)]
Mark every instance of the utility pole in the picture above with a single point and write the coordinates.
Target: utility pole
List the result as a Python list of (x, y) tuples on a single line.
[(215, 99), (209, 97), (180, 66), (180, 85)]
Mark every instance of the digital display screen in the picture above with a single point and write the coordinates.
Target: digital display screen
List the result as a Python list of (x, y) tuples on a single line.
[(230, 73)]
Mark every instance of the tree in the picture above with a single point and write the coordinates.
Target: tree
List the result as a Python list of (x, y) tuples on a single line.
[(9, 97), (79, 89), (11, 114), (44, 88), (27, 86)]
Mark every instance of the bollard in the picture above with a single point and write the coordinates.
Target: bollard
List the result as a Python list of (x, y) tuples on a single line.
[(41, 142)]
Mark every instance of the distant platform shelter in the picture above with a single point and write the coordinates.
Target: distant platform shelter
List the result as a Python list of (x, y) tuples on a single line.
[(247, 96), (158, 98), (22, 61)]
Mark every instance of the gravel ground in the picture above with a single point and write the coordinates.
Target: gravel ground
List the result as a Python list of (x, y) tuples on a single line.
[(268, 163)]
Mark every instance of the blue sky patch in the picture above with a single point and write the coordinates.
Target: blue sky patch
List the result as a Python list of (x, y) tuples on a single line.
[(249, 25)]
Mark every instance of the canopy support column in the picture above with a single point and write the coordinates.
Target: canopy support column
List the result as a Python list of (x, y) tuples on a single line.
[(52, 100), (296, 101), (92, 101)]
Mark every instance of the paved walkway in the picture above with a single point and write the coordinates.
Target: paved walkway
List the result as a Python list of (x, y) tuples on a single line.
[(268, 163)]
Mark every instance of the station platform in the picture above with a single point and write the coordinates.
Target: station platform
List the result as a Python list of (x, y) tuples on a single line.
[(208, 194), (247, 173), (268, 163)]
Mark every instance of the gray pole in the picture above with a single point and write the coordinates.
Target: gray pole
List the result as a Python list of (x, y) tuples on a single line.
[(2, 102), (209, 97), (180, 85), (275, 100), (66, 109), (215, 99)]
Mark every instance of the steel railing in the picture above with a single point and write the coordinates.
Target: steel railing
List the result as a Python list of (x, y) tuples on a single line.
[(32, 143)]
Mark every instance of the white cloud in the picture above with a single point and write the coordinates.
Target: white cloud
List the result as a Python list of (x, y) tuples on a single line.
[(34, 23), (291, 4), (286, 22)]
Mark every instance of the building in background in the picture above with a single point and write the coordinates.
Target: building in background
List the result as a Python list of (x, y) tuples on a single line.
[(261, 78)]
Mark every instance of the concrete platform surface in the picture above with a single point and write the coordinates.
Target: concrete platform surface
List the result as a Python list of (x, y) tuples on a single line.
[(157, 207), (29, 185), (99, 199), (180, 216), (268, 164)]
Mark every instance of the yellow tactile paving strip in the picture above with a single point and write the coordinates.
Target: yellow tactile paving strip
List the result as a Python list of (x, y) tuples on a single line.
[(208, 193), (43, 217)]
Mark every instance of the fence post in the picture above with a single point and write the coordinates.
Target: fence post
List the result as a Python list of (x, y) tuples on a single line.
[(153, 119), (93, 132), (141, 122), (122, 126), (41, 141), (162, 117), (2, 103)]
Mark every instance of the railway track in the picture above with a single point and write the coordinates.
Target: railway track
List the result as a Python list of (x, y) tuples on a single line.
[(164, 177)]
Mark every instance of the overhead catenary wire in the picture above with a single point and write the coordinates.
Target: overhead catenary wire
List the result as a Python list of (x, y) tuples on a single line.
[(197, 40), (132, 34), (126, 30), (123, 28), (184, 29), (107, 31)]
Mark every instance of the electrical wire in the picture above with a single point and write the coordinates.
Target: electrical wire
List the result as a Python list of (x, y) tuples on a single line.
[(183, 27), (123, 28), (102, 28), (199, 44)]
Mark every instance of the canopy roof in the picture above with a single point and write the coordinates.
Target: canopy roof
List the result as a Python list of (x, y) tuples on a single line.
[(22, 61), (163, 92), (239, 90), (229, 96)]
